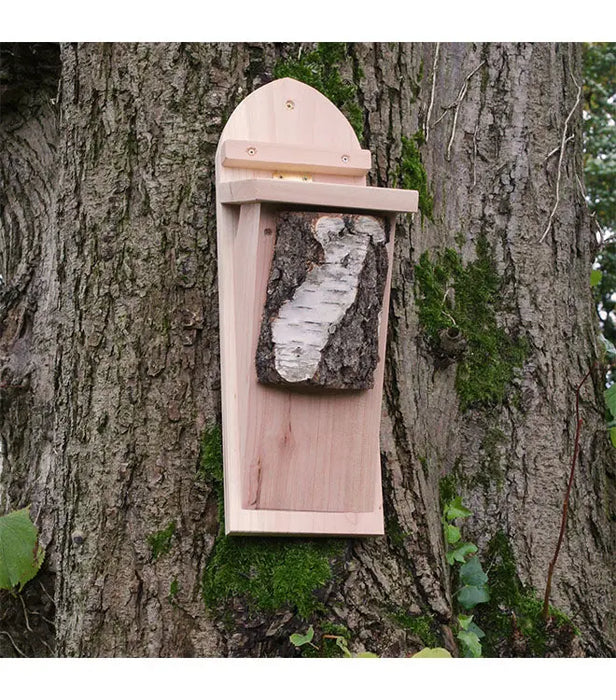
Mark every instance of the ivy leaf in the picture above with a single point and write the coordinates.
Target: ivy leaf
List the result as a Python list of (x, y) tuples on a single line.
[(469, 596), (595, 277), (342, 644), (464, 621), (477, 630), (299, 640), (366, 655), (470, 644), (452, 534), (471, 573), (432, 653), (610, 399), (20, 554), (459, 554), (455, 509), (613, 436)]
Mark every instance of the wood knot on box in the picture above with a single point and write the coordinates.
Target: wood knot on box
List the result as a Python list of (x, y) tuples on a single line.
[(320, 324)]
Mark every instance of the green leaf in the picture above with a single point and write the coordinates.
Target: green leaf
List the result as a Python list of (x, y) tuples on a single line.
[(595, 277), (613, 436), (464, 621), (471, 573), (610, 399), (477, 630), (470, 644), (452, 534), (366, 655), (455, 509), (469, 596), (299, 640), (459, 554), (342, 643), (432, 653), (20, 554)]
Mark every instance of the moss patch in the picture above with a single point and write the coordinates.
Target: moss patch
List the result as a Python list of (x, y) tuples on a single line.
[(447, 490), (160, 542), (267, 573), (487, 367), (174, 589), (513, 618), (411, 174), (422, 626), (320, 69), (210, 462)]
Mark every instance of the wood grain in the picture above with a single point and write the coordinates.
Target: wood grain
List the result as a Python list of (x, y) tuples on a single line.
[(340, 196)]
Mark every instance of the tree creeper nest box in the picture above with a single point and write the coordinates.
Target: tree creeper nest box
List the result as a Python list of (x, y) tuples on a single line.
[(304, 269)]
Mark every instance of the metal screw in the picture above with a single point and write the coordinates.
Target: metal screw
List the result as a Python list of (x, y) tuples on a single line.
[(345, 159), (251, 151), (289, 104)]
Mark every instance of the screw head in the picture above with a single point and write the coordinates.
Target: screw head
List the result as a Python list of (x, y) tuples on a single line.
[(251, 151), (345, 158), (289, 104)]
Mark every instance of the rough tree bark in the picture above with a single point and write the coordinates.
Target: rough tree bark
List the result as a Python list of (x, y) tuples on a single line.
[(109, 346)]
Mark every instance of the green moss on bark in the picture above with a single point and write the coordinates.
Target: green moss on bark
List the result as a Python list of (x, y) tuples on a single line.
[(411, 174), (513, 618), (267, 573), (160, 542), (451, 294), (422, 626)]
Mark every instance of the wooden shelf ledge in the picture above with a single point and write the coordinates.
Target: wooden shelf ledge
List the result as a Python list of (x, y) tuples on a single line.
[(318, 194)]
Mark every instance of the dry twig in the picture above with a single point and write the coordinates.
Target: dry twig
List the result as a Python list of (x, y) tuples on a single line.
[(560, 159), (433, 88), (17, 649), (456, 104), (563, 523)]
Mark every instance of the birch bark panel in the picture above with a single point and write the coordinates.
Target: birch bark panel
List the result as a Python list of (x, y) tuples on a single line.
[(321, 319)]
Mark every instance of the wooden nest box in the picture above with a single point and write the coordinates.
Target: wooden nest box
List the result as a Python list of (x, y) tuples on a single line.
[(304, 268)]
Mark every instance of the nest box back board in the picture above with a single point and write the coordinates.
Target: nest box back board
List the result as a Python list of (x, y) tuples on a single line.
[(304, 267)]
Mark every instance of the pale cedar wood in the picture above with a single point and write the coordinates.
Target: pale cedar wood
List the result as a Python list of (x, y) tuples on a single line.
[(257, 155), (294, 463), (108, 251)]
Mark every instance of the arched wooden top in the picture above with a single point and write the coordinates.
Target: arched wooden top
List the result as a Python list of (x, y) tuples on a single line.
[(287, 111), (290, 127)]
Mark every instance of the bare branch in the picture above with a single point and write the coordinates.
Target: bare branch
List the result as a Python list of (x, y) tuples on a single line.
[(17, 649), (436, 51), (458, 102), (554, 151), (561, 158)]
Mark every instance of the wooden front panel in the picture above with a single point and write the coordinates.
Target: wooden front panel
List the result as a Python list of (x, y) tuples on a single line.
[(300, 452)]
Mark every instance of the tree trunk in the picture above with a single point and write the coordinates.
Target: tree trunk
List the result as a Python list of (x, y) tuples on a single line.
[(110, 397)]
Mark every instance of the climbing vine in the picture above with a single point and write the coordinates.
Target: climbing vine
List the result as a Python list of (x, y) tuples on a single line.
[(472, 579)]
